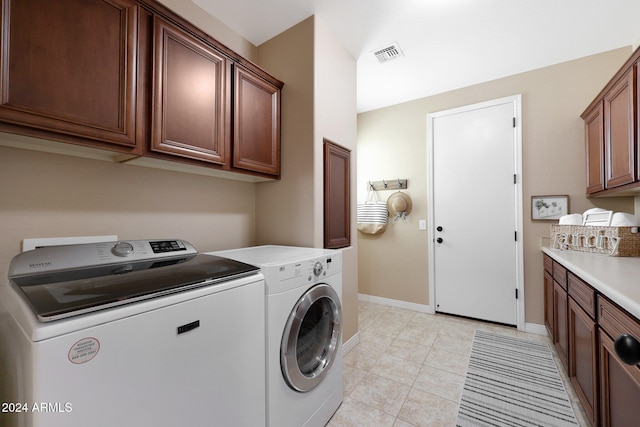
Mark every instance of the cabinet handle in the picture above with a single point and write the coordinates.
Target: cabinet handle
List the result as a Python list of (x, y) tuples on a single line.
[(628, 349), (439, 228), (439, 240)]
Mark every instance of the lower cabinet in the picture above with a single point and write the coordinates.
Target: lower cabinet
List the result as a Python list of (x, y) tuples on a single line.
[(620, 388), (584, 330), (620, 383), (548, 302), (583, 358), (560, 326)]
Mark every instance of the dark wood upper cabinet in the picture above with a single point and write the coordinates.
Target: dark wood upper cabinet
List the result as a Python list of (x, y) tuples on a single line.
[(69, 70), (594, 134), (130, 76), (619, 131), (256, 125), (612, 134), (191, 100)]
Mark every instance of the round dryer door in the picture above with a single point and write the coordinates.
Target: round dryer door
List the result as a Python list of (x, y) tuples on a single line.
[(311, 338)]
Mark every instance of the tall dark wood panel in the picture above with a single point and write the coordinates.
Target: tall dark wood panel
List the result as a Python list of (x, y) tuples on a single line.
[(190, 97), (337, 204), (79, 83)]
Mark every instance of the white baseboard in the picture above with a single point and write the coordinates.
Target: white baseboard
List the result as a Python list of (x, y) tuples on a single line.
[(422, 308), (532, 328), (350, 343)]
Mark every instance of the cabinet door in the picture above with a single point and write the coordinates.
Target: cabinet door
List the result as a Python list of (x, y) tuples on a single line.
[(256, 125), (337, 200), (620, 387), (560, 326), (69, 67), (548, 302), (583, 358), (190, 97), (594, 138), (619, 124)]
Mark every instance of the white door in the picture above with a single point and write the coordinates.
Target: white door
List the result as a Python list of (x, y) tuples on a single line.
[(475, 211)]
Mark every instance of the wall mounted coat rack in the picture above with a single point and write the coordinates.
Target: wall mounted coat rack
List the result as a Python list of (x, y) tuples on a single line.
[(391, 184)]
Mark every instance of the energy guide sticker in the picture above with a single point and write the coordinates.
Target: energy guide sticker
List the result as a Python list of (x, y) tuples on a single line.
[(84, 350)]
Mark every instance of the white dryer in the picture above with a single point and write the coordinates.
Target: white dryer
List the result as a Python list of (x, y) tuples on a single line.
[(303, 331)]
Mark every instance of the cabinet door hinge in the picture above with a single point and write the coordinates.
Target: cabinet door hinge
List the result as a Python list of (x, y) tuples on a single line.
[(514, 122), (515, 235), (516, 293), (515, 180)]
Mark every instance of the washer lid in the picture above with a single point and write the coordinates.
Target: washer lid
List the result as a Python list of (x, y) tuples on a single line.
[(59, 294)]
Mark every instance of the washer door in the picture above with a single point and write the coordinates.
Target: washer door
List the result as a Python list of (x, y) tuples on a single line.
[(311, 338)]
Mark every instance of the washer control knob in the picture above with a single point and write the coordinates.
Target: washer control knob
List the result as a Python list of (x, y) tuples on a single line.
[(122, 249), (317, 268)]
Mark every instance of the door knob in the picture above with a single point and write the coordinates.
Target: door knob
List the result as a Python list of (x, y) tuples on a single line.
[(628, 349), (439, 228), (439, 240)]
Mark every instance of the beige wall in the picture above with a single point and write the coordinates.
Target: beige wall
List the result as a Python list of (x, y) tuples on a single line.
[(285, 209), (392, 143), (336, 120), (317, 71), (51, 195), (212, 26)]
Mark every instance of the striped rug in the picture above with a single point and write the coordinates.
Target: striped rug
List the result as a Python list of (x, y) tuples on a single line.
[(513, 382)]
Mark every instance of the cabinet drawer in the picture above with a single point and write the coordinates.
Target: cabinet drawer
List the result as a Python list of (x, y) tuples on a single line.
[(548, 263), (583, 294), (615, 321), (560, 275)]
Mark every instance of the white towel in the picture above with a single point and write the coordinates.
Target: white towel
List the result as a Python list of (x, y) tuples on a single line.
[(623, 219), (571, 219)]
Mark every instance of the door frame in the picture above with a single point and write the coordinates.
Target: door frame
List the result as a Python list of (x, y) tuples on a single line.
[(516, 100)]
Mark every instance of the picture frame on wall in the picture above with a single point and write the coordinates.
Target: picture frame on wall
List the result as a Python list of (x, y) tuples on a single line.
[(549, 208)]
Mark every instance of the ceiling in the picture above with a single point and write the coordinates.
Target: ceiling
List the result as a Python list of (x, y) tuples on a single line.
[(447, 44)]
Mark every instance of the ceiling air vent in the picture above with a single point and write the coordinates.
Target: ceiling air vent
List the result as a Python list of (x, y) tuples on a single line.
[(388, 53)]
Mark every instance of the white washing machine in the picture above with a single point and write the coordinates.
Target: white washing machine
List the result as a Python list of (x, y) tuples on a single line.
[(303, 331), (133, 333)]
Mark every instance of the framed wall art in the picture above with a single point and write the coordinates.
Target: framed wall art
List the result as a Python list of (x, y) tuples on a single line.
[(549, 208)]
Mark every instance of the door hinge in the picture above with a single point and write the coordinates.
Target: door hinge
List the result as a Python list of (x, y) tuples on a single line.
[(514, 122), (515, 181), (516, 293), (515, 235)]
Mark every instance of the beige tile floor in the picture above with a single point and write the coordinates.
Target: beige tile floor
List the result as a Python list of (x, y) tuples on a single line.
[(409, 368)]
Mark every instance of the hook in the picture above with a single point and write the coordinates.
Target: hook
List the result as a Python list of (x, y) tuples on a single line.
[(399, 183), (384, 183)]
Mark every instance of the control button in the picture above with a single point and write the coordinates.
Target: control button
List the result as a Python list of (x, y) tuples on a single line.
[(317, 268), (122, 249)]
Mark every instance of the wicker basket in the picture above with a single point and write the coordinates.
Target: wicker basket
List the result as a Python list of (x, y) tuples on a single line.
[(612, 241)]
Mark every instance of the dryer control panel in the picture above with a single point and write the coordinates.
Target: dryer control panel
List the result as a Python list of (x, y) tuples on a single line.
[(311, 270)]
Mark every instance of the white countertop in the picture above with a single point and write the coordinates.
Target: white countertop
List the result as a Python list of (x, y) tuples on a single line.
[(618, 278)]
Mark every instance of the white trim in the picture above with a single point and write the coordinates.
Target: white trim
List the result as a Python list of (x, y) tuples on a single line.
[(421, 308), (517, 105), (351, 343), (534, 328)]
